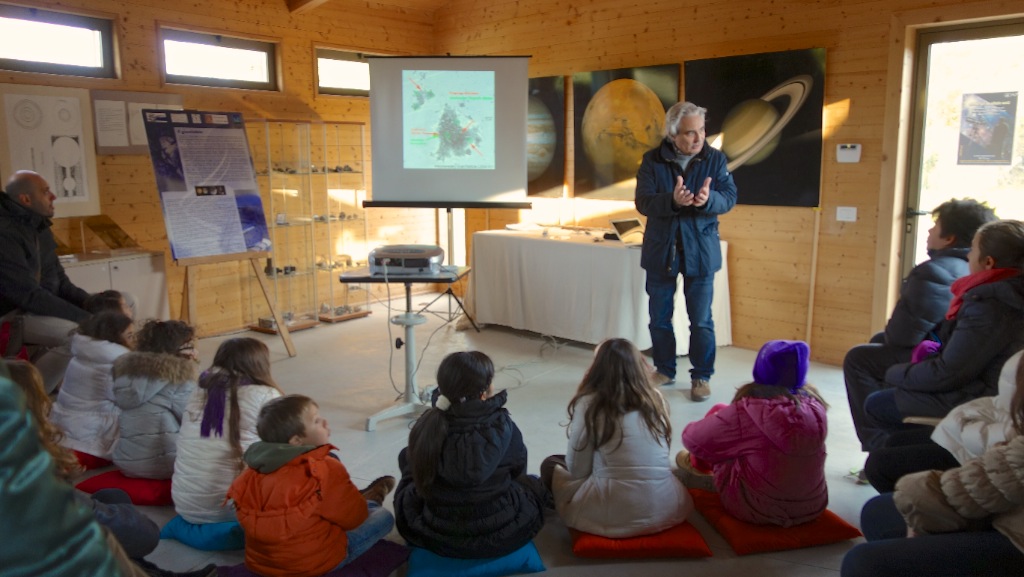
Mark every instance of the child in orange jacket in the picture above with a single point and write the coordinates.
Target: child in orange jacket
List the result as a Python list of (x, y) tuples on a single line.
[(301, 513)]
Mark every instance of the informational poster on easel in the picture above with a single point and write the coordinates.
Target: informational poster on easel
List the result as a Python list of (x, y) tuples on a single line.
[(208, 190), (210, 197)]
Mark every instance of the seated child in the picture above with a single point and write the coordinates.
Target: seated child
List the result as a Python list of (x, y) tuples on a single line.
[(617, 480), (464, 491), (85, 408), (301, 513), (767, 449), (108, 300), (152, 386), (112, 508), (218, 426)]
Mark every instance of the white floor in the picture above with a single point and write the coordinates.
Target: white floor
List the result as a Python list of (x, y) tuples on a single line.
[(353, 370)]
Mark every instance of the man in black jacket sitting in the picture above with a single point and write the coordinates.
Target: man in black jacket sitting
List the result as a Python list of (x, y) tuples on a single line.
[(33, 284)]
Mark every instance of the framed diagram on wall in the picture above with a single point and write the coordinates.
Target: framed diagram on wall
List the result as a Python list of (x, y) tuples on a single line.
[(49, 130)]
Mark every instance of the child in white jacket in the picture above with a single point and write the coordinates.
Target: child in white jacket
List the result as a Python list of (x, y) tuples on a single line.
[(85, 408), (218, 426), (616, 480)]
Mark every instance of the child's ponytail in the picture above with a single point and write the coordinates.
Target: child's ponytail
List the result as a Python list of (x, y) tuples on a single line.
[(461, 377)]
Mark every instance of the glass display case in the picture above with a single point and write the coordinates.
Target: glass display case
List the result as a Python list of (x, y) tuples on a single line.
[(281, 153), (339, 220)]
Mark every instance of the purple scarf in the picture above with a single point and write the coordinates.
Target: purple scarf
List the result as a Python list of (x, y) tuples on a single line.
[(216, 385)]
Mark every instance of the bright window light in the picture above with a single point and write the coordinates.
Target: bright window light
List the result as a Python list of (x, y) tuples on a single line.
[(208, 61), (344, 73), (51, 43)]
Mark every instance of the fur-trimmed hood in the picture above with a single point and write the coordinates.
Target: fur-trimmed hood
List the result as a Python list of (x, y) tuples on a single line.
[(138, 377), (170, 368)]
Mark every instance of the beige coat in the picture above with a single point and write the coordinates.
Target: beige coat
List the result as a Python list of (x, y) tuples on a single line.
[(990, 488)]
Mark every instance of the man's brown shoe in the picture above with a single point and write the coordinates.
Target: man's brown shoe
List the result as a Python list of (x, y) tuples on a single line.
[(379, 489), (700, 390), (660, 379)]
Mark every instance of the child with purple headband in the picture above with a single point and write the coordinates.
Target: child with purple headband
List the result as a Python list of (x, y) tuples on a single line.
[(764, 453)]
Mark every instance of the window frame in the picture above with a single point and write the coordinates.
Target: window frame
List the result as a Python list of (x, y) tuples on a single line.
[(329, 53), (269, 49), (108, 42)]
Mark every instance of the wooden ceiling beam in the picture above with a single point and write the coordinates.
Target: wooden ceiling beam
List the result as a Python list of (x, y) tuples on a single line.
[(302, 6)]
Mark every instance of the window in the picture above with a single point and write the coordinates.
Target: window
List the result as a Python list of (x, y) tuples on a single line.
[(214, 60), (34, 40), (344, 73)]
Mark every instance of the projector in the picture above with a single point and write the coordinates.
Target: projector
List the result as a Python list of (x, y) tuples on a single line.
[(406, 259)]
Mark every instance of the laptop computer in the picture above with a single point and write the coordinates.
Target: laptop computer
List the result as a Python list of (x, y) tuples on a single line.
[(630, 231)]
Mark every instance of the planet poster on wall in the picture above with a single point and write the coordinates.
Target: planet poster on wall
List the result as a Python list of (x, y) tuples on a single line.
[(765, 114), (618, 116), (545, 137)]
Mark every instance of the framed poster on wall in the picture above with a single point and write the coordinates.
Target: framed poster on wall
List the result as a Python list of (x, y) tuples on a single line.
[(49, 130), (765, 113)]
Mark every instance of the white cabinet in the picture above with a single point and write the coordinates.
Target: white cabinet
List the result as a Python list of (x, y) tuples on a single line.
[(138, 272)]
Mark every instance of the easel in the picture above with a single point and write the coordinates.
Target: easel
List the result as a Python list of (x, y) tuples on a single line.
[(188, 297)]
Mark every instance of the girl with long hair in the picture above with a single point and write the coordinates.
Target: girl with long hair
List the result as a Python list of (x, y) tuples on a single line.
[(616, 480), (85, 409), (218, 425), (464, 491)]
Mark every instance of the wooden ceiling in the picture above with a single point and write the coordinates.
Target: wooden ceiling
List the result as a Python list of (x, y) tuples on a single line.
[(306, 6)]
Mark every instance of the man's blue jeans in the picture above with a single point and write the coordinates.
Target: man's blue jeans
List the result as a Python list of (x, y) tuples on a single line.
[(374, 528), (698, 292)]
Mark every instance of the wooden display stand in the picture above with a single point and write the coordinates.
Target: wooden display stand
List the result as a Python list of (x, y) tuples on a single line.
[(188, 298)]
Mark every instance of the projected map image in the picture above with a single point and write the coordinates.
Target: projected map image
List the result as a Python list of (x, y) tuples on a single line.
[(448, 119)]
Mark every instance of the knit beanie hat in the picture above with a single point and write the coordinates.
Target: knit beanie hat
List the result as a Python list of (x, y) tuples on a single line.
[(782, 364)]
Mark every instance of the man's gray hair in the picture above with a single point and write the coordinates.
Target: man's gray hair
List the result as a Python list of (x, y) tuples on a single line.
[(677, 112)]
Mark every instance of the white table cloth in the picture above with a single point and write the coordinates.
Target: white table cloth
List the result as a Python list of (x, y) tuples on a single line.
[(567, 285)]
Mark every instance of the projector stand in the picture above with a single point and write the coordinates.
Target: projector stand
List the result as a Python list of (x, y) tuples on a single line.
[(452, 314), (411, 403)]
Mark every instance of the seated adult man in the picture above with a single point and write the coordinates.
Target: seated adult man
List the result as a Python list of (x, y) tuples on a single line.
[(984, 327), (924, 298), (33, 284)]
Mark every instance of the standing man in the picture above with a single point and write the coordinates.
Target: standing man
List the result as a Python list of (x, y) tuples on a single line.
[(682, 186), (33, 284)]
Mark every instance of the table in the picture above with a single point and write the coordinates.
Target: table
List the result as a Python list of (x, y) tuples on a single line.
[(568, 285), (411, 403)]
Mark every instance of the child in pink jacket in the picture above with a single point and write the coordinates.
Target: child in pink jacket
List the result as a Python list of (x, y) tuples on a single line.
[(766, 450)]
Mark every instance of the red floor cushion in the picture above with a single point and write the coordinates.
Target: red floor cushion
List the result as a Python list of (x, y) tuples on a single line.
[(380, 560), (90, 462), (683, 540), (747, 538), (155, 492)]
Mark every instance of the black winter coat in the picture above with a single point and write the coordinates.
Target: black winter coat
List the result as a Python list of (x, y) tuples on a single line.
[(31, 276), (475, 508), (987, 330), (925, 296)]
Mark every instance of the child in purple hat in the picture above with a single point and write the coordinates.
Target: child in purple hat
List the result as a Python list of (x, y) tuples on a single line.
[(765, 452)]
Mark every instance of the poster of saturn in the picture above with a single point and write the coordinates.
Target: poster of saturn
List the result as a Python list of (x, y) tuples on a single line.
[(764, 113)]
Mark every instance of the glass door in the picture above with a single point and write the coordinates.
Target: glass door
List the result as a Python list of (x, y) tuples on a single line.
[(968, 137)]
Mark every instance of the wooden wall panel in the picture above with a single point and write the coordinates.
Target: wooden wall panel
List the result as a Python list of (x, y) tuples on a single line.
[(770, 258), (127, 186)]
